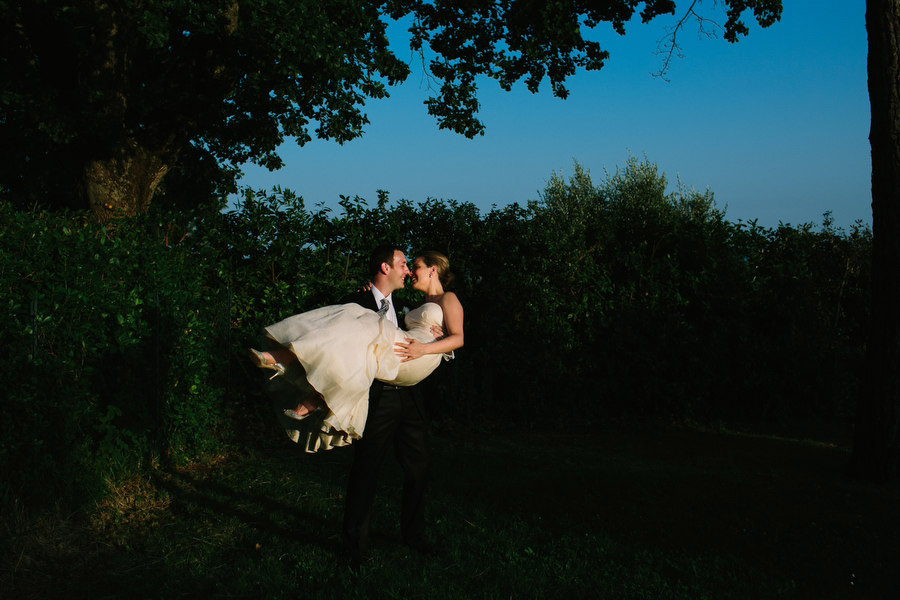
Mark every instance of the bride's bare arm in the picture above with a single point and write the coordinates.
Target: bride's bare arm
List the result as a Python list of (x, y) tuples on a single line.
[(453, 329)]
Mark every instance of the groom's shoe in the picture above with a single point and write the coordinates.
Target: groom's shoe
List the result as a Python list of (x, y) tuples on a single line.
[(422, 546), (354, 555), (355, 558)]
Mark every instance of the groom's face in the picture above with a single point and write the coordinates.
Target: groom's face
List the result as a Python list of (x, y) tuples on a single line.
[(399, 270)]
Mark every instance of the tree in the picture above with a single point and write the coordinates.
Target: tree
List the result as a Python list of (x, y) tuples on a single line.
[(111, 95), (876, 444), (107, 97)]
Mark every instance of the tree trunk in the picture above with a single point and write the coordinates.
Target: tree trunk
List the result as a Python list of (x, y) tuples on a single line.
[(876, 445), (123, 185)]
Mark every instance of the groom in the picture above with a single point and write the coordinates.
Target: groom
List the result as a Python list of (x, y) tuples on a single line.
[(396, 418)]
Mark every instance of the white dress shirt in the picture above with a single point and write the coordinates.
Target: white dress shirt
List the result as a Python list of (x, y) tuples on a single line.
[(391, 314)]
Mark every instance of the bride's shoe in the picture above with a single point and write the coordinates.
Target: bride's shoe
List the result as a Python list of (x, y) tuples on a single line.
[(260, 361), (291, 413)]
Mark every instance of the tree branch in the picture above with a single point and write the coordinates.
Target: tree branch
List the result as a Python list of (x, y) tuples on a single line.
[(668, 47)]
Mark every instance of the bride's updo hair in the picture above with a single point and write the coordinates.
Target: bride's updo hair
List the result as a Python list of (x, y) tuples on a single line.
[(438, 260)]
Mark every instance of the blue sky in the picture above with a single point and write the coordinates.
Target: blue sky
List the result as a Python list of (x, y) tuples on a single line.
[(776, 126)]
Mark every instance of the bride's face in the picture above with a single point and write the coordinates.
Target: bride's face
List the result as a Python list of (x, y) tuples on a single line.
[(420, 275)]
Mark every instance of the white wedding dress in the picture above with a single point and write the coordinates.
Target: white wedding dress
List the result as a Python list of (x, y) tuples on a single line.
[(343, 348)]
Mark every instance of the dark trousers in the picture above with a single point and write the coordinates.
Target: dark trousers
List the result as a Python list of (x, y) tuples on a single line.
[(396, 418)]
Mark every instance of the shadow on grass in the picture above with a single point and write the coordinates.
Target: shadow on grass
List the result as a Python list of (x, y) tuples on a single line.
[(646, 513), (196, 496), (780, 507)]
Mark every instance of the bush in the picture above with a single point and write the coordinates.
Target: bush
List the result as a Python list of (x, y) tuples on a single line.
[(112, 348), (617, 299)]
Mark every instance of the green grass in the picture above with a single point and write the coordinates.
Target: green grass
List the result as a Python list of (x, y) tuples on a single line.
[(644, 513)]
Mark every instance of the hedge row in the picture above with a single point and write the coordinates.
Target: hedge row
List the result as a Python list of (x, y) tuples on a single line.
[(619, 299)]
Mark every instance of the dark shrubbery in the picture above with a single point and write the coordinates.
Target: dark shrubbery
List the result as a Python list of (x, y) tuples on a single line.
[(126, 343), (110, 342), (620, 299)]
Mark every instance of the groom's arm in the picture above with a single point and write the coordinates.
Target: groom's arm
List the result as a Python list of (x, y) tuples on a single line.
[(363, 298)]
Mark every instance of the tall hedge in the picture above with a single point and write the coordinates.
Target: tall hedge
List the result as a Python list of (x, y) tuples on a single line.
[(114, 351), (621, 299)]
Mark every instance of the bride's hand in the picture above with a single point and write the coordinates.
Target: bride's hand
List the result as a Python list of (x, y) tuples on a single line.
[(409, 350), (437, 332)]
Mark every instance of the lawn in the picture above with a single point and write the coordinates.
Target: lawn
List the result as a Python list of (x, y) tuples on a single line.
[(636, 512)]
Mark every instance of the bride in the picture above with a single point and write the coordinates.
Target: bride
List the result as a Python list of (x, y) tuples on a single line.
[(344, 347)]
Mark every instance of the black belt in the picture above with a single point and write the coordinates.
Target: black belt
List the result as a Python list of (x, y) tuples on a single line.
[(393, 387)]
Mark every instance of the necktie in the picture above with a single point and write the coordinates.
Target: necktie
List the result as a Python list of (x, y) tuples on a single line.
[(385, 305)]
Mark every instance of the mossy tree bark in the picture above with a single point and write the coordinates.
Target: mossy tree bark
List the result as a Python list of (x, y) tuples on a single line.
[(123, 185)]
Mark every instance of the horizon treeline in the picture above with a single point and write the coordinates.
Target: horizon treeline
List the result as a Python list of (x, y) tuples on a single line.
[(596, 303)]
